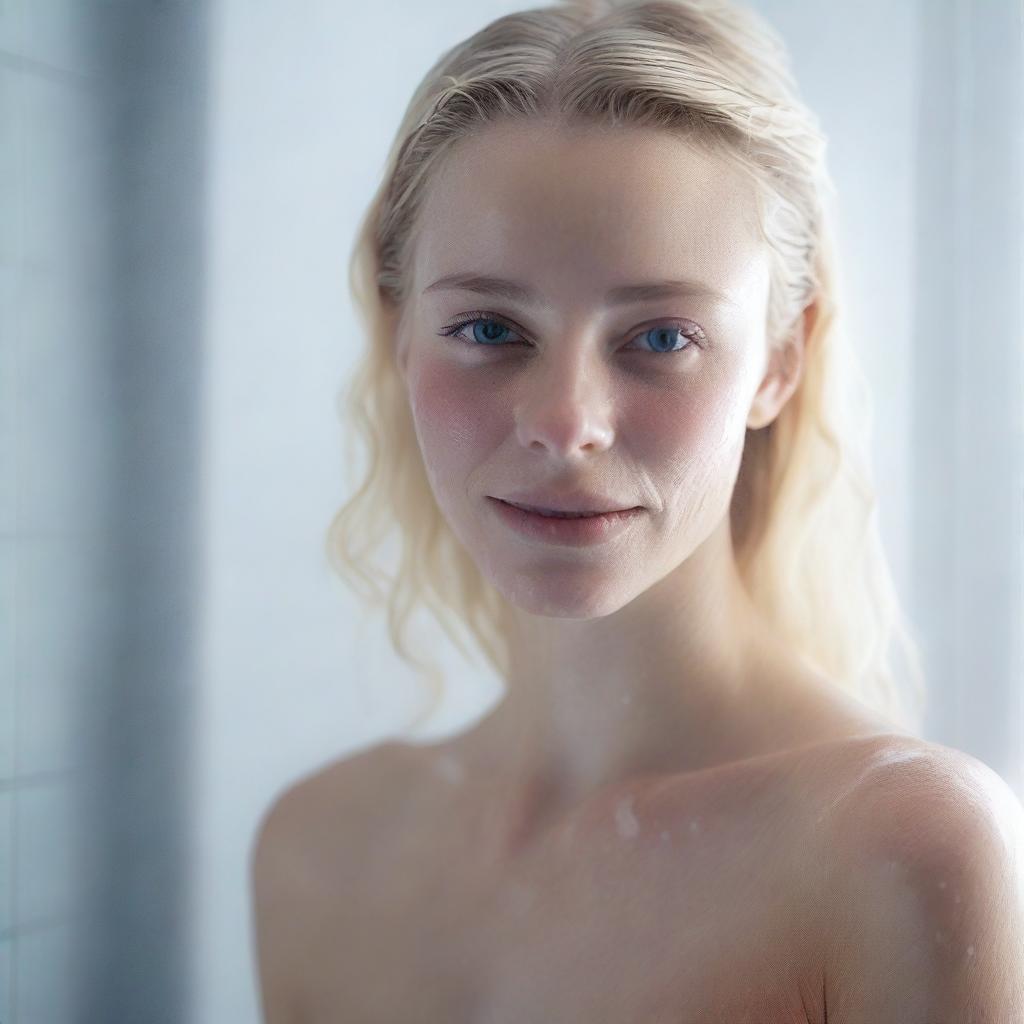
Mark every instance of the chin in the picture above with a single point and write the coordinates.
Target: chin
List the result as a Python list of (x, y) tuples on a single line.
[(548, 583), (563, 594)]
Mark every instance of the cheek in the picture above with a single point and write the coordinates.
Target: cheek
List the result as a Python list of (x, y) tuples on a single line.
[(690, 440), (452, 415), (681, 435), (701, 422)]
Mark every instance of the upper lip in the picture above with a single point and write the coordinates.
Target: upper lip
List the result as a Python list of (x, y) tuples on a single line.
[(567, 501)]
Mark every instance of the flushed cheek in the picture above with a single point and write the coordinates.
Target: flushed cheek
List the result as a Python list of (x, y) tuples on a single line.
[(454, 421), (683, 438), (673, 429), (691, 444)]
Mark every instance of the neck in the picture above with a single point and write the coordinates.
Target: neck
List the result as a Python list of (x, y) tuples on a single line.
[(662, 684)]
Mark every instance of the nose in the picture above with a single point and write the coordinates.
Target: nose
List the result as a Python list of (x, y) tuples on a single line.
[(566, 407)]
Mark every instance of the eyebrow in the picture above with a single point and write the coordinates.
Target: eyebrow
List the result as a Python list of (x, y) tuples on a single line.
[(514, 291)]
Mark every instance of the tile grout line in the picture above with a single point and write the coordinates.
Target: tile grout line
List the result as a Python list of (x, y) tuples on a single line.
[(20, 64)]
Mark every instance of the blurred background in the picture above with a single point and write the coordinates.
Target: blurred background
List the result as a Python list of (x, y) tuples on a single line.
[(180, 184)]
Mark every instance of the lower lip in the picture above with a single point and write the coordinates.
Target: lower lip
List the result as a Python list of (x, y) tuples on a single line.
[(581, 530)]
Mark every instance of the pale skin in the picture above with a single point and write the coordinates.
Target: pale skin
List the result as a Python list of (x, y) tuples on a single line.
[(645, 653), (662, 819)]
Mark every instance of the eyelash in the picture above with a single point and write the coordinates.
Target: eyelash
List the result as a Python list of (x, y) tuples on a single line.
[(482, 315)]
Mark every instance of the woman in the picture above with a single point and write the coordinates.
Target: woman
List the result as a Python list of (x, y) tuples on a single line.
[(609, 408)]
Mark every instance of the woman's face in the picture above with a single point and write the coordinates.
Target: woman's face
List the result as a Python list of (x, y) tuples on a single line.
[(560, 383)]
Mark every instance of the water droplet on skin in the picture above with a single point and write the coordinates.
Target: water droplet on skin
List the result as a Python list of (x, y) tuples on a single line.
[(942, 885), (626, 699), (694, 825), (970, 951), (625, 820), (664, 835), (450, 769)]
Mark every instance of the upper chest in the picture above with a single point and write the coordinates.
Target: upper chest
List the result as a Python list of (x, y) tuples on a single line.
[(683, 900)]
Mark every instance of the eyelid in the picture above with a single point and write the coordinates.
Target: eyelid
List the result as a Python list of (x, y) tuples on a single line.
[(697, 337), (480, 314)]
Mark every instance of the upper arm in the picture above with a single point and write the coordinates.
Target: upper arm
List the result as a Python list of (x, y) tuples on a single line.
[(306, 867), (279, 889), (929, 908)]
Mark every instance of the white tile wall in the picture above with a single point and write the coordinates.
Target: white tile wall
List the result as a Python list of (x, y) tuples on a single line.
[(52, 33), (11, 25), (45, 848), (54, 649), (8, 681), (63, 154), (12, 164), (52, 474), (9, 329), (6, 981), (57, 33), (11, 181), (6, 864), (60, 423), (60, 451), (43, 963)]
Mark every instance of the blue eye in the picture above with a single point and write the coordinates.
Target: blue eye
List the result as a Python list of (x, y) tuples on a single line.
[(487, 330), (667, 338), (490, 330)]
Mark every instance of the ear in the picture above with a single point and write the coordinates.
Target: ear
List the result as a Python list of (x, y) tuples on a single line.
[(785, 367)]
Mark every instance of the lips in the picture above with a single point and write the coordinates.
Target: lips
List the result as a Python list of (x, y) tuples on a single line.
[(567, 528), (553, 513), (575, 502)]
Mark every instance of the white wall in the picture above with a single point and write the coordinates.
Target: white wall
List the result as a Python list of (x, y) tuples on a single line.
[(868, 111)]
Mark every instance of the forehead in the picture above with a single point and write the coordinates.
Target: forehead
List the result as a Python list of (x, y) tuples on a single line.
[(572, 208)]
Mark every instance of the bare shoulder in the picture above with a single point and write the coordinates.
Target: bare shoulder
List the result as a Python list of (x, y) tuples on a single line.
[(334, 812), (312, 839), (920, 801), (925, 875)]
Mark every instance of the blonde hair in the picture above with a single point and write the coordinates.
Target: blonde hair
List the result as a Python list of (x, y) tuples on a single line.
[(803, 515)]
